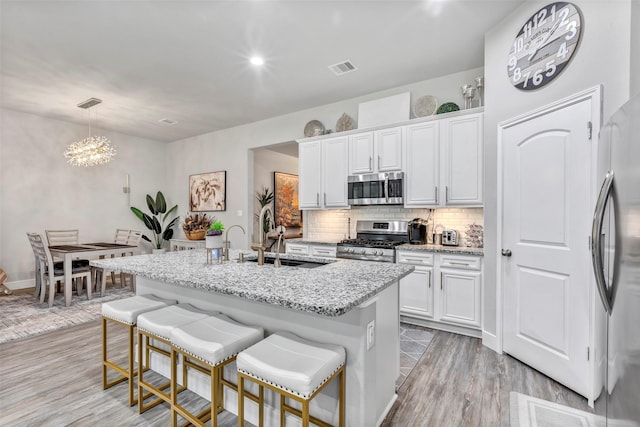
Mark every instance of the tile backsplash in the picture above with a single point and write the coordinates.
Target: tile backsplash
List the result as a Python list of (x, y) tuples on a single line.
[(332, 225)]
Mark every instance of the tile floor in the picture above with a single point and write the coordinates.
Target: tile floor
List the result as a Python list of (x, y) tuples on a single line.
[(414, 341)]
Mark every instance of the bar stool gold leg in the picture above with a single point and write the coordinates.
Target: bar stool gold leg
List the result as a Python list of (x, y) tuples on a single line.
[(342, 397), (261, 406), (282, 414), (240, 401)]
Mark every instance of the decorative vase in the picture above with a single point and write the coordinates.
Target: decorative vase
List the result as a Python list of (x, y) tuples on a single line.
[(212, 242), (158, 251)]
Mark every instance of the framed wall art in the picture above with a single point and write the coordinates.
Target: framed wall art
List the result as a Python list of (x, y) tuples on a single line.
[(208, 192), (286, 207)]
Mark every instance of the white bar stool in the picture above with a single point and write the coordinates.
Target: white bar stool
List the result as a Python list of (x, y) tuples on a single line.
[(125, 312), (293, 367), (207, 346), (158, 325)]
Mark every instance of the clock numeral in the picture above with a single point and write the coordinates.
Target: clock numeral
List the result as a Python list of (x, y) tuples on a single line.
[(517, 74), (537, 77), (562, 51), (573, 30), (513, 61), (553, 12), (550, 67), (526, 30), (526, 78), (563, 14), (540, 18)]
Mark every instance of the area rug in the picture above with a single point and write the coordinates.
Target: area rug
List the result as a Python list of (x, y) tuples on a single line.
[(22, 316), (414, 341), (527, 411)]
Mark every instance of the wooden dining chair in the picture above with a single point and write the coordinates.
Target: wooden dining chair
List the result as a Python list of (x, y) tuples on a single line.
[(122, 237), (66, 237), (50, 272)]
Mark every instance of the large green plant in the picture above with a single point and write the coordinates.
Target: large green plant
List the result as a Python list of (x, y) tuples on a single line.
[(158, 209)]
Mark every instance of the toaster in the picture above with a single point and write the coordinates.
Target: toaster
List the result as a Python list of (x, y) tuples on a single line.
[(450, 238)]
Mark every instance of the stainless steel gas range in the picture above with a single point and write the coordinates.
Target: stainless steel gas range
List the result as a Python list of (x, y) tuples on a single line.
[(375, 241)]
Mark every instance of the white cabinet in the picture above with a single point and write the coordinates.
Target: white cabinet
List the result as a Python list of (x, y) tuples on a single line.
[(443, 292), (323, 173), (297, 248), (378, 151), (416, 289), (443, 161), (460, 302), (422, 170), (461, 145)]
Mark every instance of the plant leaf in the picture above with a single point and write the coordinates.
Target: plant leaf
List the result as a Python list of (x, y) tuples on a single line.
[(161, 203), (138, 213), (148, 221), (173, 209), (168, 234), (152, 205), (146, 238), (173, 222), (157, 228)]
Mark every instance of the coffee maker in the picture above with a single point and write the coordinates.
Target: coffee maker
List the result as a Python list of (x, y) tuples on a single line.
[(417, 230)]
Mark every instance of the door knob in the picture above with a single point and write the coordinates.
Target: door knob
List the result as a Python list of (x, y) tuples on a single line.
[(506, 252)]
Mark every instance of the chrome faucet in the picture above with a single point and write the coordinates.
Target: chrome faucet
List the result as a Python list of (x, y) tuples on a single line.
[(225, 252), (281, 231), (260, 245)]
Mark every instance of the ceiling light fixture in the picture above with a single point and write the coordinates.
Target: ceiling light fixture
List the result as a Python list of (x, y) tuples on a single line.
[(256, 60), (91, 151)]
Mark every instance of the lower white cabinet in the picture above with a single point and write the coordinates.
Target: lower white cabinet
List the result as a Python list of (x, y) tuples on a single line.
[(443, 292)]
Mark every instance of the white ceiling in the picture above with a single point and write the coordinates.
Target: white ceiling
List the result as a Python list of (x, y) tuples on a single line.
[(188, 60)]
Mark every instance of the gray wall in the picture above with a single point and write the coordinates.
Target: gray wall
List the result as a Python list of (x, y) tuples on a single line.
[(603, 58), (40, 190), (635, 47)]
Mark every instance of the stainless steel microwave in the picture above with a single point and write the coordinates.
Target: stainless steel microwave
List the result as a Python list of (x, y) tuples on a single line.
[(376, 189)]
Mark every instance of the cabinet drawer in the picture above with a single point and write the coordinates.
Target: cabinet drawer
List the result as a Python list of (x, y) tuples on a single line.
[(297, 249), (323, 251), (414, 258), (462, 262)]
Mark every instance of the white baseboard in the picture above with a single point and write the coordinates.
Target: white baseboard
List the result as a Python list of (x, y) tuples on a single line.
[(491, 341), (387, 409), (21, 284)]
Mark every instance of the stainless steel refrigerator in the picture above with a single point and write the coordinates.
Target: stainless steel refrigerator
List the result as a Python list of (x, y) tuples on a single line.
[(615, 248)]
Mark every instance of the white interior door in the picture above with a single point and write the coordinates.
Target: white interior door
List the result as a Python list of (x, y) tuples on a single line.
[(546, 214)]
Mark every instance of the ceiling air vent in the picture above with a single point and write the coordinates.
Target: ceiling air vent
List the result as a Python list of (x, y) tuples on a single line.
[(168, 121), (343, 67), (89, 103)]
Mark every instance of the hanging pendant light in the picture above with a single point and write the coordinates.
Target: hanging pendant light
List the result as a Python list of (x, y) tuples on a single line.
[(91, 151)]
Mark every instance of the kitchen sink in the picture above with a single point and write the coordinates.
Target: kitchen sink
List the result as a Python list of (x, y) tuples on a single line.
[(291, 262)]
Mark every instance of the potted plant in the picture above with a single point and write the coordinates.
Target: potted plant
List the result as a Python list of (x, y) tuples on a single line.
[(214, 235), (156, 221), (195, 226)]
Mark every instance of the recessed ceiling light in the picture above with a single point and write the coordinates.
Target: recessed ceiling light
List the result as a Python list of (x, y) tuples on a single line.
[(168, 121), (256, 60)]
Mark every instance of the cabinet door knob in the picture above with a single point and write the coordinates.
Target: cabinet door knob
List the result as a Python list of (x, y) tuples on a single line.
[(506, 252)]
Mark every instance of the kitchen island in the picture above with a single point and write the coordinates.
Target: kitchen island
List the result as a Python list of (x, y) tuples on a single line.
[(344, 302)]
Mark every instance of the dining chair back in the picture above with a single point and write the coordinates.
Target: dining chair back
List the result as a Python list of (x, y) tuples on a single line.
[(49, 272), (62, 237), (122, 237), (127, 237)]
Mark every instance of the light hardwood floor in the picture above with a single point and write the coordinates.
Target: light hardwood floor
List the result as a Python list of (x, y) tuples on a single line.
[(55, 380)]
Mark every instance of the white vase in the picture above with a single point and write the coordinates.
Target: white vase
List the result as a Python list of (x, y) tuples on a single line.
[(158, 251), (212, 242)]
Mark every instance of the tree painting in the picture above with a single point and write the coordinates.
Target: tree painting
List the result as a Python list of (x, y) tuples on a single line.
[(287, 209)]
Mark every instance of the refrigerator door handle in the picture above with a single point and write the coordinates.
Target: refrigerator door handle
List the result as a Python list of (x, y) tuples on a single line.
[(596, 239)]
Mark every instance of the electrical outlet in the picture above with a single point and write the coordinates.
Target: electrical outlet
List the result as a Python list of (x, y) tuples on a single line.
[(371, 334)]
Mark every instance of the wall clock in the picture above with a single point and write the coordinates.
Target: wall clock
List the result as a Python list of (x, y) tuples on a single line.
[(544, 46)]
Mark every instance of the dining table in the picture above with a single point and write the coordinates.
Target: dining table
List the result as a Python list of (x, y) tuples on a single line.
[(86, 250)]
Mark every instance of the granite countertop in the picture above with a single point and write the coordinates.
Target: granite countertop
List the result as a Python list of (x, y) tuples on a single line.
[(455, 250), (329, 290), (304, 241)]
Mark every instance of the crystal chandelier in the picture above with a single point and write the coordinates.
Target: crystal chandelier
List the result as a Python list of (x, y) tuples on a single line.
[(91, 151)]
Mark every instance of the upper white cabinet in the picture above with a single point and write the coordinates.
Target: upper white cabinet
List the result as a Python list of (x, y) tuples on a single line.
[(323, 167), (422, 170), (461, 144), (443, 162), (377, 151)]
